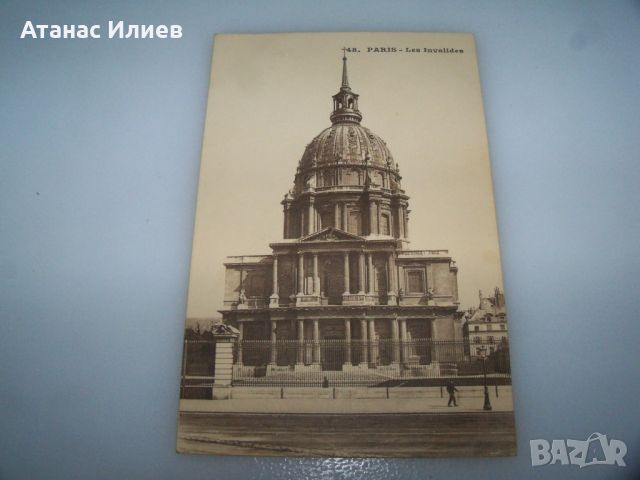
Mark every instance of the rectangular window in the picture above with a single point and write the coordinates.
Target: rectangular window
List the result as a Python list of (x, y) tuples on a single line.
[(415, 281), (476, 328), (350, 177)]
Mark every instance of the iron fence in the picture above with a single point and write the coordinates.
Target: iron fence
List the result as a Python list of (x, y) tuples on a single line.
[(423, 361)]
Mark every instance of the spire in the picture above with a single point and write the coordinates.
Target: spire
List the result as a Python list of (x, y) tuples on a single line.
[(345, 102), (345, 78)]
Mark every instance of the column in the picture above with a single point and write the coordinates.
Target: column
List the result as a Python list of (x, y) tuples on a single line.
[(347, 339), (379, 219), (391, 273), (242, 297), (400, 221), (316, 342), (336, 215), (403, 340), (285, 229), (434, 341), (274, 347), (371, 275), (406, 223), (273, 300), (240, 338), (373, 344), (392, 290), (365, 346), (346, 273), (395, 341), (316, 279), (372, 217), (300, 274), (361, 274), (345, 216), (301, 212), (311, 217), (300, 352)]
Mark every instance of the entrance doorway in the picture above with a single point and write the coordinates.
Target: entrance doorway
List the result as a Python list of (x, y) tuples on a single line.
[(332, 353), (334, 280)]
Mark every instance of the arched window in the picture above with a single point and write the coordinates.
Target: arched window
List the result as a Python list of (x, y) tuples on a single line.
[(384, 228), (350, 103), (353, 225)]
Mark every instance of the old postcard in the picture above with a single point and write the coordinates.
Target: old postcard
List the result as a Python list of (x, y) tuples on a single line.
[(345, 295)]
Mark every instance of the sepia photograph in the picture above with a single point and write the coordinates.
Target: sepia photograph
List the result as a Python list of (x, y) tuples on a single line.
[(345, 294), (366, 239)]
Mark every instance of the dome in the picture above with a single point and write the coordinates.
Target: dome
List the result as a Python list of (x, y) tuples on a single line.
[(349, 143), (346, 179)]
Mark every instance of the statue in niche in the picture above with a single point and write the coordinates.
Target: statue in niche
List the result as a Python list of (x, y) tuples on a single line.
[(311, 181)]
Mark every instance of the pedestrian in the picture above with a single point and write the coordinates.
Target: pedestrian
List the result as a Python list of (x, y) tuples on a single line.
[(451, 390), (325, 382)]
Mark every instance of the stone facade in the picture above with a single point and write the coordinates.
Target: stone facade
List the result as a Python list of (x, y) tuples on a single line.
[(342, 270), (487, 325)]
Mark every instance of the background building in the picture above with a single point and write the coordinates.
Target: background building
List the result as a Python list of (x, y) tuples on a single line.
[(487, 325)]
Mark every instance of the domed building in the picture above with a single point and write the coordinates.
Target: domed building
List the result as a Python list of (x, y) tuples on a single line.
[(341, 291)]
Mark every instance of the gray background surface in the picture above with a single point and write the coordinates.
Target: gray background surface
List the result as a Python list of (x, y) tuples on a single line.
[(99, 153)]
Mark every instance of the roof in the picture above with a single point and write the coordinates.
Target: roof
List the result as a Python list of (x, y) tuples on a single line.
[(491, 309), (348, 143)]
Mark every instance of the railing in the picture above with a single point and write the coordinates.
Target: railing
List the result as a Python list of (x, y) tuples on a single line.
[(422, 253), (340, 187), (317, 300), (306, 363), (249, 259), (253, 302)]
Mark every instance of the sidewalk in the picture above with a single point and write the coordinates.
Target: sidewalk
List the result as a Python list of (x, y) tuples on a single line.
[(469, 401)]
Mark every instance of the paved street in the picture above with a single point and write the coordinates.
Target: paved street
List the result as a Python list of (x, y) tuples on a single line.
[(402, 400), (366, 435)]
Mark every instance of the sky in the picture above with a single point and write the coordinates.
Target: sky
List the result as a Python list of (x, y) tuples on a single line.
[(270, 95)]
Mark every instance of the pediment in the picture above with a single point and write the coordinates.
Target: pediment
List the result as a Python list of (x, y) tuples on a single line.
[(331, 234)]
